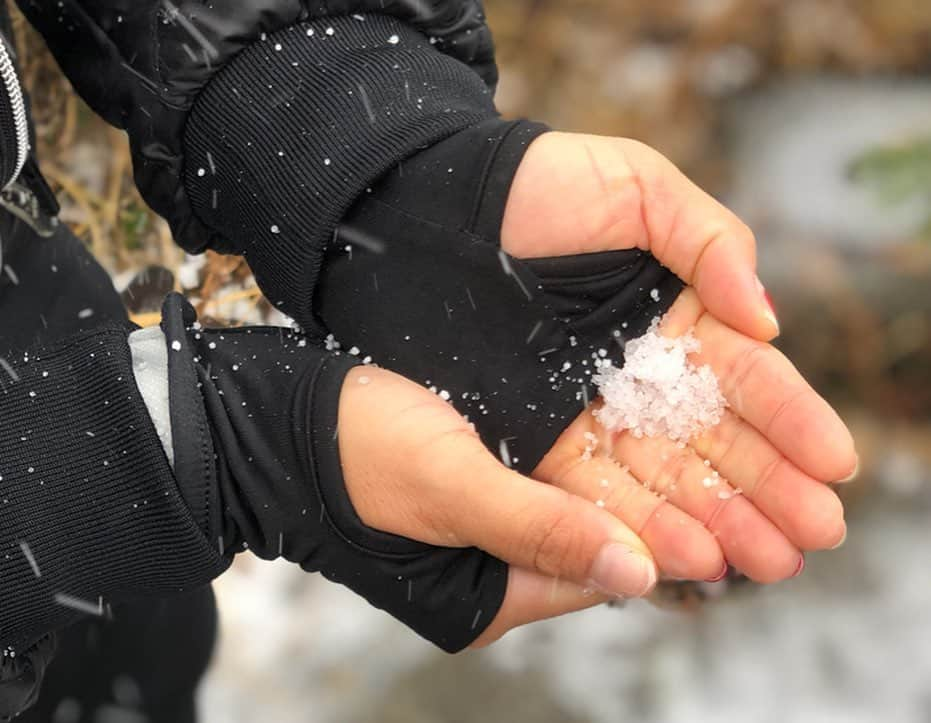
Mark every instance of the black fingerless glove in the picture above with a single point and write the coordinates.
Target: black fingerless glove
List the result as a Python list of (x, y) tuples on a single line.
[(259, 407), (416, 279), (365, 111)]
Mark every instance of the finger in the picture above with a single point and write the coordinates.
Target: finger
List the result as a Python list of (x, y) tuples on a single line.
[(750, 541), (682, 547), (609, 193), (764, 388), (530, 597), (542, 528), (808, 512)]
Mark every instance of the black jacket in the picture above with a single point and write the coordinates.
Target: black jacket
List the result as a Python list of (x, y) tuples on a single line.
[(213, 95), (141, 64)]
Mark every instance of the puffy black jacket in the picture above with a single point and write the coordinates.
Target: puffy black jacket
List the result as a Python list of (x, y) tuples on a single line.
[(141, 64)]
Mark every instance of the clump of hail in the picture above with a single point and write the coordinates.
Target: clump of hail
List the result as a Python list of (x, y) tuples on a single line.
[(659, 391)]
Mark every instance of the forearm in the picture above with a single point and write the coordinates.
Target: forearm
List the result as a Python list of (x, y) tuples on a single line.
[(290, 134)]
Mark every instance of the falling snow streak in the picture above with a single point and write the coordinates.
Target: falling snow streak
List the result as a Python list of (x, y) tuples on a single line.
[(27, 553), (5, 365), (173, 14), (509, 271), (79, 604), (422, 11), (535, 331), (504, 452), (357, 237), (363, 94)]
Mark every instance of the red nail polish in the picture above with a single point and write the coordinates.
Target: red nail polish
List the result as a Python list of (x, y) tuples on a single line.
[(771, 313), (801, 566), (769, 300), (719, 577)]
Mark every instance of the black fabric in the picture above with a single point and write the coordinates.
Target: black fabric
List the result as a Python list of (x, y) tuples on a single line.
[(48, 282), (272, 403), (141, 64), (49, 288), (416, 278), (143, 665), (286, 138), (87, 493)]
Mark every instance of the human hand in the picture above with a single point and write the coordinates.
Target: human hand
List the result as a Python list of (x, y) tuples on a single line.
[(779, 443), (414, 467), (577, 194)]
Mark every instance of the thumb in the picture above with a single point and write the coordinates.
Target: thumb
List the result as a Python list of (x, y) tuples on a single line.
[(576, 194), (541, 528)]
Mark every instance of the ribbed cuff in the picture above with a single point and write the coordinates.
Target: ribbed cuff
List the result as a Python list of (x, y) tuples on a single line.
[(90, 513), (284, 140)]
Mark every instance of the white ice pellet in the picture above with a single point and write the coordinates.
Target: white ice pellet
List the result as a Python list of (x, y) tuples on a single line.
[(176, 345), (658, 391)]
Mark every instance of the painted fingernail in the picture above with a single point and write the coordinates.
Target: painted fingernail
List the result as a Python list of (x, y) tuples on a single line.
[(801, 566), (843, 539), (853, 475), (720, 576), (620, 570), (769, 310)]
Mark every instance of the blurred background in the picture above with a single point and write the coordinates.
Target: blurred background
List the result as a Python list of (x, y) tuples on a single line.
[(812, 120)]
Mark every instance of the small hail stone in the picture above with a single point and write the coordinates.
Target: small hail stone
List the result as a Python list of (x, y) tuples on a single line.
[(394, 40), (327, 162), (659, 391), (201, 172), (444, 395), (330, 31), (654, 294), (275, 228), (176, 345)]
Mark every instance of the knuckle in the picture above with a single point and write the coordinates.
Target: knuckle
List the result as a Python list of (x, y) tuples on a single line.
[(673, 470), (741, 368), (554, 541)]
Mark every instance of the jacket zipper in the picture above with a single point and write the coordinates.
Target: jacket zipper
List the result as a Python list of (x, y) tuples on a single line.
[(14, 126)]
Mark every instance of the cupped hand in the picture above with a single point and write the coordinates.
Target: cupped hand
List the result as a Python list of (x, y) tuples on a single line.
[(576, 194), (756, 483), (414, 467)]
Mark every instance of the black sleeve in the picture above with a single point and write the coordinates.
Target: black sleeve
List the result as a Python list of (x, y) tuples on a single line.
[(90, 512), (142, 65), (254, 418), (416, 278), (93, 513), (401, 148)]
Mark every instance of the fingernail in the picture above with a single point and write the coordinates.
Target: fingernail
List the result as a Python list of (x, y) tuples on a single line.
[(620, 570), (853, 475), (769, 311), (843, 539), (720, 576), (801, 566)]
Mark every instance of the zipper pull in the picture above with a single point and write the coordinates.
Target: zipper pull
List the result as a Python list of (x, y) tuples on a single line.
[(30, 199)]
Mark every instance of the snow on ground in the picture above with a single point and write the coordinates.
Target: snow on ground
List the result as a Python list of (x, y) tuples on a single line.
[(848, 641)]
